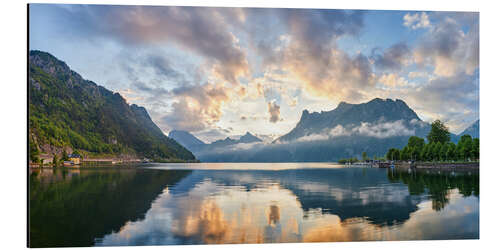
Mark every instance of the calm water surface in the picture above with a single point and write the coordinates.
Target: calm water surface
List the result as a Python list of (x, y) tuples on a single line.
[(161, 204)]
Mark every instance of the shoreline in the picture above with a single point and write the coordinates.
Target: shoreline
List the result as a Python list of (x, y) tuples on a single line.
[(467, 166)]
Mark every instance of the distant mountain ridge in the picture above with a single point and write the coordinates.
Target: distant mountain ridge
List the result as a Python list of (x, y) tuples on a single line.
[(472, 130), (196, 145), (67, 111), (186, 139)]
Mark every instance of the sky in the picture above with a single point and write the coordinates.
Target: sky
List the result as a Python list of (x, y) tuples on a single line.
[(219, 72)]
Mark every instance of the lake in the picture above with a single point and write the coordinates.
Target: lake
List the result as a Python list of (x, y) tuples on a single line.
[(207, 203)]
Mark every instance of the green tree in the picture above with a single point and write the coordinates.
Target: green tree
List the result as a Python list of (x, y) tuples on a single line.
[(439, 133), (429, 153), (391, 154), (364, 156), (443, 151), (34, 153), (64, 156), (423, 153), (55, 161), (451, 151), (416, 142), (414, 153), (436, 149), (405, 153), (465, 147), (475, 148)]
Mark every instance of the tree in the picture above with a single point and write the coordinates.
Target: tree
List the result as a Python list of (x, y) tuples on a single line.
[(390, 154), (423, 153), (429, 153), (475, 148), (405, 153), (365, 156), (439, 133), (393, 154), (416, 142), (465, 147), (414, 154), (34, 153), (64, 156), (55, 161), (451, 151), (436, 149), (443, 151)]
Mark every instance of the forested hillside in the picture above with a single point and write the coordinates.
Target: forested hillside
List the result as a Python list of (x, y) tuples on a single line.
[(67, 111)]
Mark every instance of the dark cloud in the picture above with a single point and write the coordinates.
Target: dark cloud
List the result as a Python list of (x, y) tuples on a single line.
[(392, 58)]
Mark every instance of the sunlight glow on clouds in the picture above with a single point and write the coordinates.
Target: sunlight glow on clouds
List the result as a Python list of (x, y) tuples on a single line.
[(203, 69)]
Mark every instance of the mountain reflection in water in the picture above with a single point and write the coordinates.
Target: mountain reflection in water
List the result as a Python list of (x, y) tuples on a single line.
[(307, 205), (310, 204)]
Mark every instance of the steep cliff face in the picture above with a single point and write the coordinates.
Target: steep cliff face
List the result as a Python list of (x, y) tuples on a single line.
[(66, 110), (352, 115)]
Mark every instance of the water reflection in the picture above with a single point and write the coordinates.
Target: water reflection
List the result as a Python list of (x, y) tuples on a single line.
[(72, 207), (229, 205), (437, 184), (310, 205)]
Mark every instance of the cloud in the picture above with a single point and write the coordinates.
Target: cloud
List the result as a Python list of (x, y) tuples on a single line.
[(184, 116), (384, 130), (393, 58), (449, 49), (151, 71), (313, 137), (454, 100), (274, 112), (392, 80), (189, 66), (197, 107), (418, 74), (379, 130), (416, 21), (309, 53), (162, 66), (203, 31), (338, 130)]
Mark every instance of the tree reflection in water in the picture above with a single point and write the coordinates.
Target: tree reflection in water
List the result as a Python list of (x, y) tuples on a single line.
[(437, 184), (161, 207)]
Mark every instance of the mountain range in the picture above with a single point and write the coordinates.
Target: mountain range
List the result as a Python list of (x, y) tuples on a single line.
[(345, 131), (196, 145), (71, 113)]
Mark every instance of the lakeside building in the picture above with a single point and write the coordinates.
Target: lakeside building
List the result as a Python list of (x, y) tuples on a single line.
[(74, 158)]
